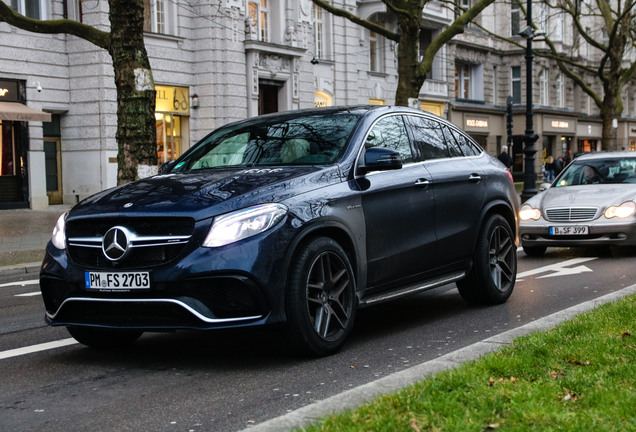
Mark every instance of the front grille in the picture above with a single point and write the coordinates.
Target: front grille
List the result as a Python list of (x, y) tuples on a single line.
[(157, 241), (571, 214)]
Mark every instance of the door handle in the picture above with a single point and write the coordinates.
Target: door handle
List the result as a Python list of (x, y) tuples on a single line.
[(422, 182), (474, 178)]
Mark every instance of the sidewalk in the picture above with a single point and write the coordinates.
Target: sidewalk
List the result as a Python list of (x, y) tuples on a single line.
[(24, 234)]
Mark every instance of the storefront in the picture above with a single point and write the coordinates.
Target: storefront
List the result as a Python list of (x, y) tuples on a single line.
[(589, 136), (14, 143), (485, 127), (172, 116), (631, 136)]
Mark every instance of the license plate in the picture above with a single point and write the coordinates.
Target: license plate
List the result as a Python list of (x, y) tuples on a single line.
[(569, 230), (117, 280)]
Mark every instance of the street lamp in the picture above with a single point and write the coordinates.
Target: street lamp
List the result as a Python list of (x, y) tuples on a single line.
[(529, 176)]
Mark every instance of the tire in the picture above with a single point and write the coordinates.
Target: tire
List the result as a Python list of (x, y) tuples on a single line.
[(104, 338), (320, 298), (534, 251), (494, 271)]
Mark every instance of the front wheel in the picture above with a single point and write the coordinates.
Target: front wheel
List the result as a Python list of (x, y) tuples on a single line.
[(320, 297), (492, 277), (104, 338)]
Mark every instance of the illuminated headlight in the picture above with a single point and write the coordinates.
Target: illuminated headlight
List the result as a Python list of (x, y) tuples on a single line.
[(244, 223), (622, 211), (527, 213), (59, 232)]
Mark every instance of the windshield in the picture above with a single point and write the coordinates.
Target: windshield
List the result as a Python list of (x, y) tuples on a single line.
[(593, 171), (305, 140)]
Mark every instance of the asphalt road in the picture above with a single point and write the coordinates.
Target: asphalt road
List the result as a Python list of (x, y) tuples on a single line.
[(231, 380)]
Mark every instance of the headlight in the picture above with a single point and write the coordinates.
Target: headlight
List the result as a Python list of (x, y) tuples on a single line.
[(59, 232), (528, 212), (244, 223), (622, 211)]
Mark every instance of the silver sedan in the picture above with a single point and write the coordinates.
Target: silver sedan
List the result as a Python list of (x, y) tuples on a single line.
[(591, 203)]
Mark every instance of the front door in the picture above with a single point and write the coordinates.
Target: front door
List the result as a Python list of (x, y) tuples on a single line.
[(53, 169)]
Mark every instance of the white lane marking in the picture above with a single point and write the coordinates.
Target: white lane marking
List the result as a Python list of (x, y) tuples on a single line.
[(31, 294), (20, 283), (559, 269), (36, 348)]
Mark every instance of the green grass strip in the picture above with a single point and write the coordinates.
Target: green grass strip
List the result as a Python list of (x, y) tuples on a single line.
[(579, 376)]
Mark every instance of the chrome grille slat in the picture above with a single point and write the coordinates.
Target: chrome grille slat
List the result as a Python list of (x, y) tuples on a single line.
[(571, 214)]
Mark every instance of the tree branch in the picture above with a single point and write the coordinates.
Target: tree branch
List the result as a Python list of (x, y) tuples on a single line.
[(75, 28)]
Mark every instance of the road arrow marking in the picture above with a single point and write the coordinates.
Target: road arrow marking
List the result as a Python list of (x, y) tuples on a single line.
[(559, 269)]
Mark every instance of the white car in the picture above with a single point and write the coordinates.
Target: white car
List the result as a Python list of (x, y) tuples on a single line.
[(592, 202)]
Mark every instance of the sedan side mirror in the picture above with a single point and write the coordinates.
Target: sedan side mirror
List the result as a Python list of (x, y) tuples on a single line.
[(544, 186), (165, 167), (380, 159)]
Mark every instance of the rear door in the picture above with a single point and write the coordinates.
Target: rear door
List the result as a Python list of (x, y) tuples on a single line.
[(399, 211)]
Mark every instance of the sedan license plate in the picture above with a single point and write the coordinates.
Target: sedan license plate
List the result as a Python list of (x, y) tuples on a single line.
[(119, 281), (569, 230)]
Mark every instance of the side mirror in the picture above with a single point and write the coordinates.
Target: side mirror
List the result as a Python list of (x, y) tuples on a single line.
[(166, 167), (544, 186), (380, 159)]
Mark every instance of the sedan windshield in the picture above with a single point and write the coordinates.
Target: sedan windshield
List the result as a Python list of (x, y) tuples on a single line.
[(307, 140), (594, 171)]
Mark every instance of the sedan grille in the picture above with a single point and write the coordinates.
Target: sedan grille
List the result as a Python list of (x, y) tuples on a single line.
[(154, 241), (571, 214)]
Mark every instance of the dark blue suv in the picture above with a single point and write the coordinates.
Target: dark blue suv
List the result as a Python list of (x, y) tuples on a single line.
[(295, 218)]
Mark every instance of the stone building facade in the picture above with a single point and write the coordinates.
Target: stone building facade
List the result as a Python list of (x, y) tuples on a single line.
[(218, 61)]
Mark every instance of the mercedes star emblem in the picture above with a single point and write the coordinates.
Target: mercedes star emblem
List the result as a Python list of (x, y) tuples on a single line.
[(116, 243)]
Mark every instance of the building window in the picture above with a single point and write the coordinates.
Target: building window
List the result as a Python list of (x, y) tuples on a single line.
[(160, 16), (319, 28), (462, 81), (543, 87), (259, 16), (515, 19), (375, 52), (35, 9), (560, 91), (515, 84)]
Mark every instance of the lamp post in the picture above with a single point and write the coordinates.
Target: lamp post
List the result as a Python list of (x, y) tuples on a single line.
[(529, 176)]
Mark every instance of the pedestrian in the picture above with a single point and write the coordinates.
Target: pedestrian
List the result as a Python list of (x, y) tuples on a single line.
[(504, 157), (549, 168), (558, 165)]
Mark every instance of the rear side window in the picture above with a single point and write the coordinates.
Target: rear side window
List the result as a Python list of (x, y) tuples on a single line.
[(468, 148), (428, 138)]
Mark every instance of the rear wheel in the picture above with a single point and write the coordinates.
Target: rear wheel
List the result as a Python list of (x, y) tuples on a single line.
[(492, 277), (534, 251), (320, 298), (104, 338)]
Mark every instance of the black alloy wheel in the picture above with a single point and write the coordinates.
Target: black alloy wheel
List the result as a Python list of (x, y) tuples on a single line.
[(321, 299), (492, 277)]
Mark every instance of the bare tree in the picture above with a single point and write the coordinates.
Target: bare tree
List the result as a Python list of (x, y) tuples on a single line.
[(136, 133), (412, 70), (608, 27)]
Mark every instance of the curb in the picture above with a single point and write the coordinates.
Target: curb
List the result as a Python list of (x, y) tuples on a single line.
[(355, 397), (18, 269)]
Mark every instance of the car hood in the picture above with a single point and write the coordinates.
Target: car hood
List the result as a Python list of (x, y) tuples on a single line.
[(206, 193), (600, 195)]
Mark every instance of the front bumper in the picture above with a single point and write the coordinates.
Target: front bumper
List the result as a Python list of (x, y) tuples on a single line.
[(203, 288), (537, 233)]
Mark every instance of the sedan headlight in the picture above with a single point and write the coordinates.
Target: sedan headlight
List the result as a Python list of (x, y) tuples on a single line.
[(244, 223), (622, 211), (59, 232), (527, 213)]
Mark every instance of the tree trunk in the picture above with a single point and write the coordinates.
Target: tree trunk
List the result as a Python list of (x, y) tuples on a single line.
[(410, 80), (136, 133)]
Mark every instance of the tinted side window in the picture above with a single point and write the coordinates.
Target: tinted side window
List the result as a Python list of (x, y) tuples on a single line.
[(453, 146), (468, 147), (391, 133), (428, 138)]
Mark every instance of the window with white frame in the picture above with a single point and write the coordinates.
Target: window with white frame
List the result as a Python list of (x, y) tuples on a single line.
[(469, 81), (543, 87), (560, 91), (160, 16), (515, 19), (558, 23), (321, 32), (258, 12), (35, 9), (515, 84), (74, 10)]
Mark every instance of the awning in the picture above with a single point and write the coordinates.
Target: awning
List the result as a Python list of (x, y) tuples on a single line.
[(19, 112)]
